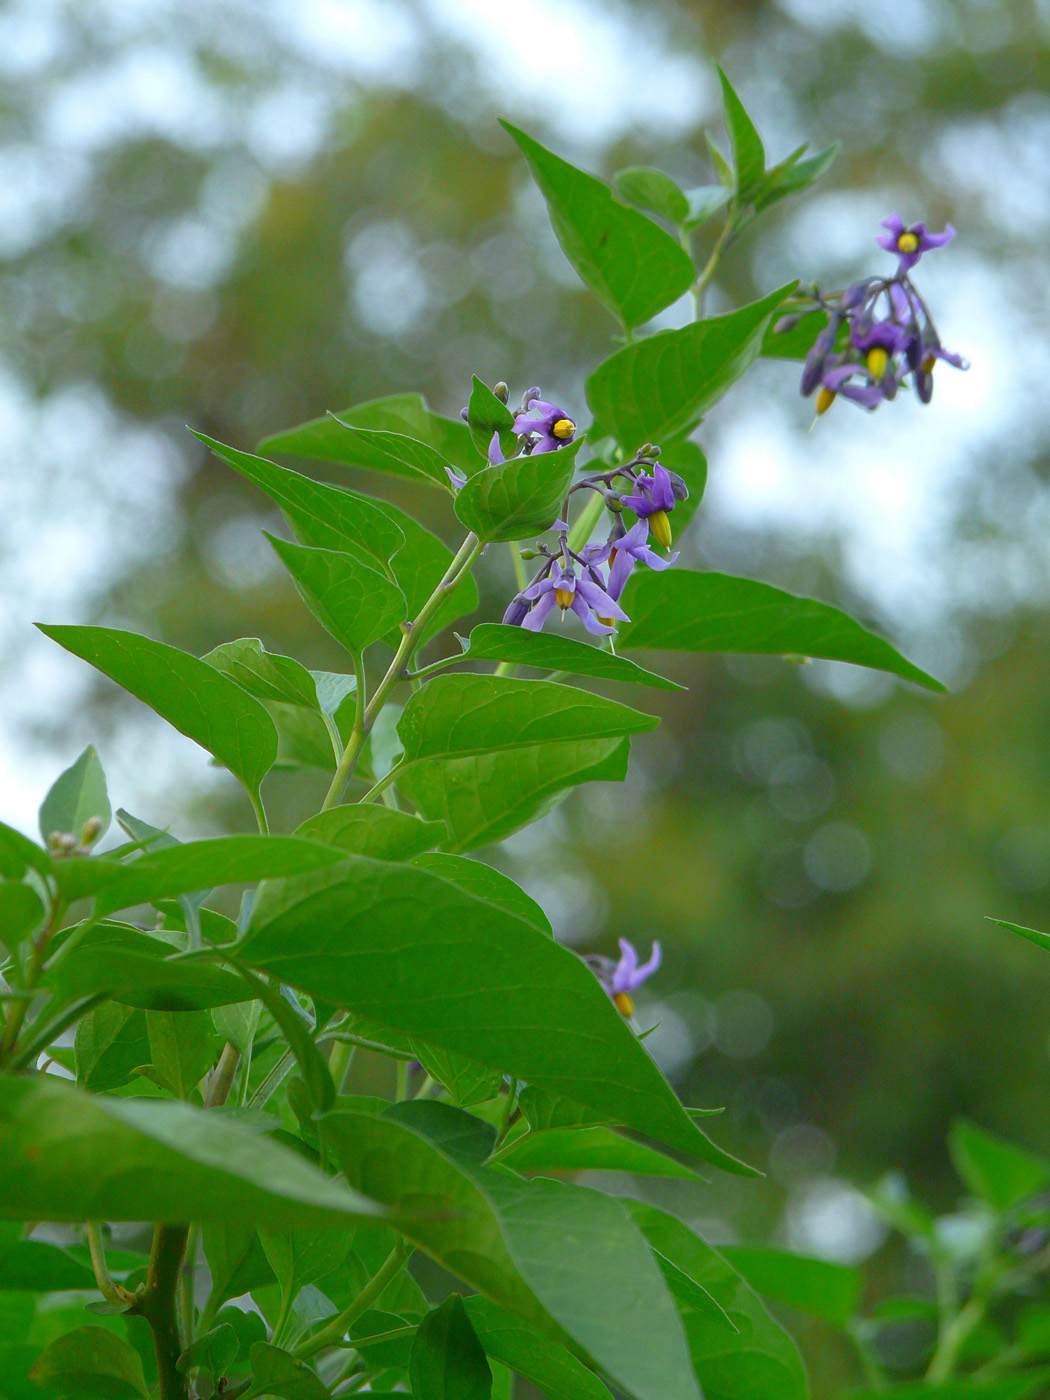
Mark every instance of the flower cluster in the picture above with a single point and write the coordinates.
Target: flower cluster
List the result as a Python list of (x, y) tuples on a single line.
[(621, 978), (879, 331)]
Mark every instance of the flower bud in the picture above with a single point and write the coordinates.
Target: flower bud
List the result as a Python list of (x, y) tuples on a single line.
[(614, 502), (528, 554), (516, 612), (678, 486), (528, 397), (91, 831), (785, 324), (660, 528), (501, 391)]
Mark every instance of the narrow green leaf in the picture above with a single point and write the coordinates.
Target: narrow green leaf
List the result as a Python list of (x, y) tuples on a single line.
[(91, 1361), (353, 603), (689, 1295), (520, 498), (749, 155), (397, 454), (550, 1367), (660, 387), (317, 1079), (277, 1372), (18, 854), (448, 1362), (135, 968), (795, 177), (631, 265), (20, 913), (31, 1266), (590, 1149), (688, 611), (494, 641), (265, 674), (482, 880), (338, 935), (191, 695), (996, 1170), (76, 795), (326, 438), (829, 1291), (67, 1155), (1032, 935), (371, 830), (723, 169), (653, 191)]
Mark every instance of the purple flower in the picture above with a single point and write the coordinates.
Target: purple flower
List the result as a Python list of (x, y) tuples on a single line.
[(653, 497), (457, 478), (909, 243), (621, 978), (553, 428), (632, 549), (587, 599)]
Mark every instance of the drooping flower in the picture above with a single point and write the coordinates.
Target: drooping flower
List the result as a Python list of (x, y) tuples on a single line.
[(586, 598), (653, 497), (621, 978), (551, 429), (910, 242), (632, 548)]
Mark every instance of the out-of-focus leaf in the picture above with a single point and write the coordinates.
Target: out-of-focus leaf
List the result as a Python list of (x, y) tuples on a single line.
[(277, 1372), (18, 854), (448, 1362), (20, 912), (495, 641), (653, 191), (996, 1170), (215, 1351), (77, 794), (704, 203), (91, 1361), (590, 1149), (134, 968), (749, 155), (111, 1042), (550, 1367), (827, 1290), (183, 1048), (35, 1267)]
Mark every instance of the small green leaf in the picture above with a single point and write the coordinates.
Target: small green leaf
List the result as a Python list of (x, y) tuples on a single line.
[(191, 695), (183, 1048), (590, 1149), (704, 203), (215, 1351), (370, 830), (20, 913), (486, 414), (482, 880), (136, 968), (551, 1368), (92, 1361), (684, 610), (794, 176), (830, 1291), (723, 169), (1032, 935), (686, 459), (353, 603), (448, 1362), (749, 155), (653, 191), (660, 387), (300, 1257), (519, 499), (397, 454), (996, 1170), (277, 1372), (111, 1042), (236, 1261), (77, 795), (32, 1266), (18, 854), (495, 641), (542, 1109), (634, 267), (264, 674)]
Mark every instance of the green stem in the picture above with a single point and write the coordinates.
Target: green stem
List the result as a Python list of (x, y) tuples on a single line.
[(260, 813), (873, 1374), (340, 1063), (34, 971), (384, 782), (110, 1289), (373, 1289), (519, 566), (508, 1111), (701, 284), (158, 1305), (950, 1342)]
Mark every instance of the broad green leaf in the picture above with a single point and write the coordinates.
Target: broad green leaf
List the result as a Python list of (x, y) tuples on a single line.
[(467, 1082), (18, 854), (448, 1361), (111, 1042), (338, 935), (687, 460), (92, 1361), (551, 1368), (77, 794), (653, 191), (194, 865), (749, 155), (265, 674), (683, 610), (32, 1266), (236, 1261), (689, 1295), (561, 1258), (326, 438), (996, 1170), (353, 603), (215, 1351), (756, 1361), (304, 741), (397, 454), (369, 1337), (238, 1024), (830, 1291), (67, 1155), (277, 1372), (333, 518), (183, 1048), (486, 414), (135, 968), (590, 1149), (634, 267), (495, 641), (482, 880), (520, 498), (299, 1257), (1032, 935), (20, 912), (542, 1109), (370, 830), (660, 387), (191, 695), (420, 566), (1026, 1385)]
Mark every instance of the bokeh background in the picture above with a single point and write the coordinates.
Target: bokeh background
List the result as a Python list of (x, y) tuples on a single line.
[(238, 215)]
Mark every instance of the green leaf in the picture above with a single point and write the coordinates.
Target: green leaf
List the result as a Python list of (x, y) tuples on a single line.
[(76, 795), (35, 1267), (794, 176), (111, 1042), (688, 461), (749, 155), (689, 1295), (495, 641), (18, 854), (996, 1170), (135, 968), (20, 913), (705, 201), (420, 566), (467, 1082), (68, 1155), (1033, 935), (264, 674), (370, 830), (660, 387), (193, 865), (688, 611), (300, 1257), (235, 1258), (331, 517), (590, 1149), (183, 1048), (215, 1351), (191, 695), (1027, 1385), (396, 454), (448, 1362), (723, 169), (486, 414), (543, 1110), (564, 1259), (91, 1361), (326, 438), (796, 343), (829, 1291), (353, 603), (653, 191), (760, 1359), (317, 1079), (631, 265), (338, 936), (550, 1367), (520, 498), (277, 1372), (482, 880)]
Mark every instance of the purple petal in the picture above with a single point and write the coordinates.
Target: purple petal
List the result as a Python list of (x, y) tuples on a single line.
[(537, 590), (535, 620), (496, 456), (648, 967), (625, 968), (654, 560), (622, 567), (588, 618), (598, 599)]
